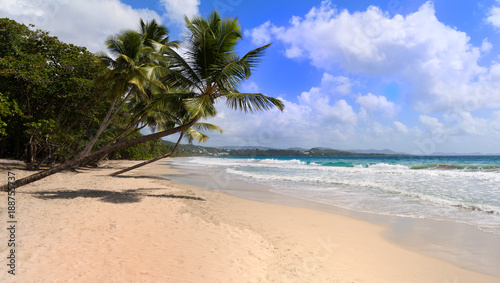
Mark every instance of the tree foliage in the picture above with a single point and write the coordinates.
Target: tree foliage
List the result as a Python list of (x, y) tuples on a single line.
[(54, 104), (49, 104)]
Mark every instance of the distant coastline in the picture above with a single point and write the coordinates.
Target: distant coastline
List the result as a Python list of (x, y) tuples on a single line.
[(260, 151)]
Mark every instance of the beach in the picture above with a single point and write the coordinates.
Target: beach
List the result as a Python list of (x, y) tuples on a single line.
[(86, 226)]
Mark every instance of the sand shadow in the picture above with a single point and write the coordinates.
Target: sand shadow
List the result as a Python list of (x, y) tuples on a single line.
[(175, 196), (142, 177), (128, 196)]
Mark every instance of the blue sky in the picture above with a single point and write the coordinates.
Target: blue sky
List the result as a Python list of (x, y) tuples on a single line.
[(413, 76)]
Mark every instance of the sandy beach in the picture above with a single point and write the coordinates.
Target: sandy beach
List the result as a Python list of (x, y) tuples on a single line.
[(85, 226)]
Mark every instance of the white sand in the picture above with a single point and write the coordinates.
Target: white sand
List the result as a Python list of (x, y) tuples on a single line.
[(88, 227)]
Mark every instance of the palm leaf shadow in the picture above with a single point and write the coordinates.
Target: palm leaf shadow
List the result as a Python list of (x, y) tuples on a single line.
[(128, 196)]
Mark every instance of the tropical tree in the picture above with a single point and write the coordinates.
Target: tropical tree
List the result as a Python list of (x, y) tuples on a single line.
[(132, 64), (48, 98), (208, 69), (165, 112), (190, 134)]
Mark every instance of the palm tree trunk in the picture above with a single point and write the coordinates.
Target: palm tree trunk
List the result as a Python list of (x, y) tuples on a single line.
[(103, 126), (105, 123), (149, 161), (116, 139), (94, 155)]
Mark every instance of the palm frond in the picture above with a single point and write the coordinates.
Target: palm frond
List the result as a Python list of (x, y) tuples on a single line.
[(250, 102), (207, 127), (252, 58), (192, 134), (201, 106)]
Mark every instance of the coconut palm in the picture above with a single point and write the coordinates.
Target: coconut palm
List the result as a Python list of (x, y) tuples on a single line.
[(132, 62), (207, 69), (190, 134), (166, 112), (210, 68)]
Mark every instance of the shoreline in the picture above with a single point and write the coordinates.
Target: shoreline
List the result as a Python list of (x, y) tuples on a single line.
[(89, 226), (458, 243)]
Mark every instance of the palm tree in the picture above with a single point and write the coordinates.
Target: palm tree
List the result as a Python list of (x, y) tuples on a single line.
[(165, 112), (132, 64), (191, 134), (211, 69), (208, 69)]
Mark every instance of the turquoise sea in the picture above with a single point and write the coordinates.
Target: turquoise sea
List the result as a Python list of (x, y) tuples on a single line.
[(464, 189)]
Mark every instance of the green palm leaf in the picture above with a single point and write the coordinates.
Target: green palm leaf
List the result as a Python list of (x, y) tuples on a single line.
[(192, 134), (250, 102), (202, 106), (207, 127)]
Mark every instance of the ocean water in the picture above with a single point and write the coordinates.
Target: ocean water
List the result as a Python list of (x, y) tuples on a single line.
[(464, 189)]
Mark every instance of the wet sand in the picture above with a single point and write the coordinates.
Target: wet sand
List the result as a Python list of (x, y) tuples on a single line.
[(88, 227), (458, 243)]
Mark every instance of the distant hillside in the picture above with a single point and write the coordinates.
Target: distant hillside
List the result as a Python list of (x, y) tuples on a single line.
[(383, 151), (196, 150), (252, 151), (297, 148), (245, 147)]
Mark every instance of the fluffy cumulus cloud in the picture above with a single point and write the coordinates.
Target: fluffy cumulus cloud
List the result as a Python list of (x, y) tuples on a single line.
[(378, 104), (325, 115), (176, 9), (261, 35), (90, 22), (445, 82), (85, 23), (432, 124), (441, 66), (312, 120), (486, 46), (494, 15), (495, 122), (400, 127), (337, 85)]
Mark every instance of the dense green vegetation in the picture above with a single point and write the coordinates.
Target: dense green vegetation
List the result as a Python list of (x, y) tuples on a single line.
[(60, 103), (50, 105)]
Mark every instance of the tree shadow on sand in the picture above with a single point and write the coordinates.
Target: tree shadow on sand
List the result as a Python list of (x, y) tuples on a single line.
[(128, 196), (142, 177)]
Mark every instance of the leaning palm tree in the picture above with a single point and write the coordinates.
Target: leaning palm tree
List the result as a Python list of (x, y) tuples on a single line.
[(208, 69), (190, 134), (165, 112), (129, 70), (132, 62)]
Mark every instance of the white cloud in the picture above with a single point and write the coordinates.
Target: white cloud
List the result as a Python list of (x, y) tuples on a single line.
[(400, 127), (260, 35), (466, 123), (486, 46), (441, 66), (436, 128), (495, 122), (84, 23), (176, 9), (494, 16), (342, 112), (314, 120), (338, 112), (339, 85), (380, 104)]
